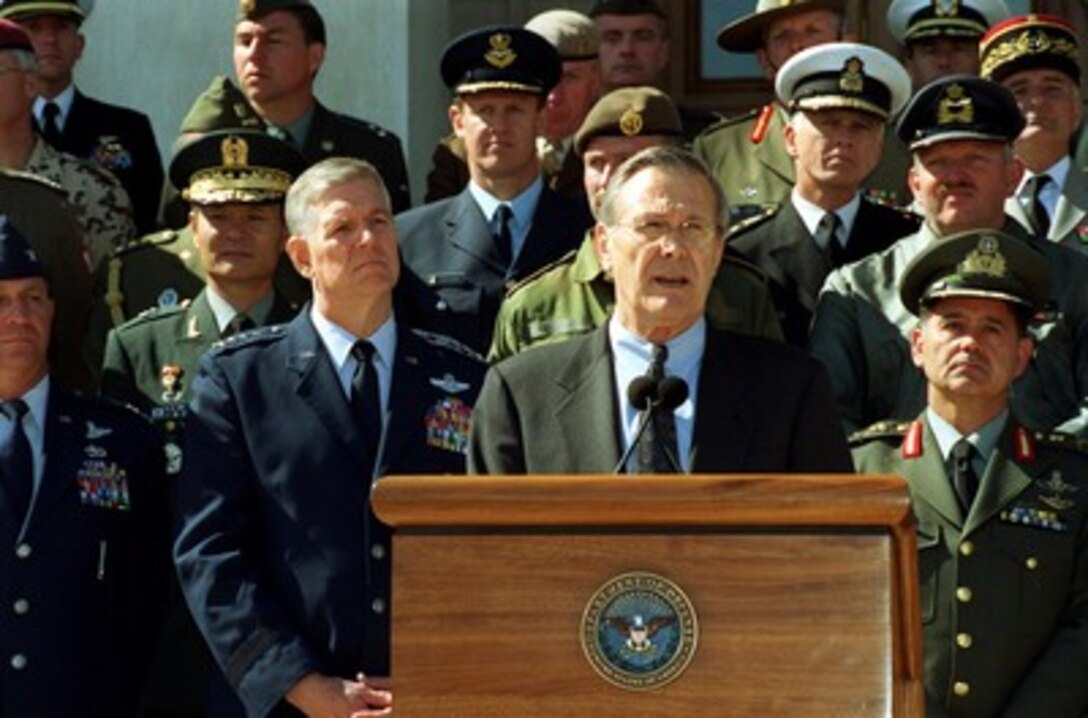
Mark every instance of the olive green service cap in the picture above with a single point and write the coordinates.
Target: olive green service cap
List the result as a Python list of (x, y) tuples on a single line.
[(1030, 42), (571, 33), (745, 34), (910, 20), (630, 112), (960, 107), (74, 10), (984, 264), (235, 166), (843, 75)]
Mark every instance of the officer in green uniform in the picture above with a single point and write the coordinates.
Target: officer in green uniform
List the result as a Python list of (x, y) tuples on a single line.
[(235, 182), (937, 39), (960, 130), (747, 153), (573, 296), (1002, 510)]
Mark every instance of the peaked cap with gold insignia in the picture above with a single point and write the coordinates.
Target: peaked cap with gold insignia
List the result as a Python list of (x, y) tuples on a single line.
[(500, 58)]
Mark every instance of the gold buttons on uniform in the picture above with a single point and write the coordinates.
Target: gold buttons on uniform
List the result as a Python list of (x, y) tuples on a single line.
[(1032, 563), (967, 548), (963, 594), (961, 688), (964, 640)]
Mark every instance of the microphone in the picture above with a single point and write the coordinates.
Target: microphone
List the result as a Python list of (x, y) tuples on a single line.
[(648, 396)]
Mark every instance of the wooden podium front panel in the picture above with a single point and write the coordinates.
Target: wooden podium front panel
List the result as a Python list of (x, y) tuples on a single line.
[(783, 617)]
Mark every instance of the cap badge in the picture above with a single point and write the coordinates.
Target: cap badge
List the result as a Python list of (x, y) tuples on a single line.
[(851, 79), (955, 107), (500, 55), (984, 259), (248, 6), (946, 8), (631, 122), (235, 152)]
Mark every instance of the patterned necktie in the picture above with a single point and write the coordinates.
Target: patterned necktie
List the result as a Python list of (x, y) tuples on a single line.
[(240, 323), (16, 460), (660, 437), (827, 238), (964, 479), (365, 401), (1036, 210), (504, 241), (50, 129)]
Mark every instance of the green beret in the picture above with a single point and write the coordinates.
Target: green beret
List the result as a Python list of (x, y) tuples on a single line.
[(980, 263), (1029, 42), (221, 107), (235, 166), (626, 7), (960, 107), (629, 112), (745, 34), (572, 34), (73, 10)]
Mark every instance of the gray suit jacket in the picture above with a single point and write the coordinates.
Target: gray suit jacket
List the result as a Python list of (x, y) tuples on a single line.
[(1070, 218)]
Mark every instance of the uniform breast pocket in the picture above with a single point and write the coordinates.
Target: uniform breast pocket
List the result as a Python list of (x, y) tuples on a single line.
[(1039, 564), (454, 292), (930, 552)]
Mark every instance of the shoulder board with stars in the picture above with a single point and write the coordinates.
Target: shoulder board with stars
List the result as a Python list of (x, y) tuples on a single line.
[(567, 258), (155, 239), (748, 223), (160, 311), (259, 335), (880, 430), (444, 342), (1061, 440)]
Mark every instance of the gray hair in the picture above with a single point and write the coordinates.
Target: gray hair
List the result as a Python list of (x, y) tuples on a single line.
[(671, 159), (314, 182)]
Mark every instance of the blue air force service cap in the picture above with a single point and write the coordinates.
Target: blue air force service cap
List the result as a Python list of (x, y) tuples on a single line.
[(501, 58), (960, 107), (843, 75), (981, 263), (910, 20), (18, 260)]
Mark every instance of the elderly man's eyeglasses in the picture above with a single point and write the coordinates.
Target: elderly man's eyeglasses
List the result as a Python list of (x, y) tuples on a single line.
[(690, 232)]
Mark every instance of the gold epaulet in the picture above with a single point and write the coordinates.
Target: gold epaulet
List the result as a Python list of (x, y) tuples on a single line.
[(567, 258), (765, 213), (1061, 440), (879, 430)]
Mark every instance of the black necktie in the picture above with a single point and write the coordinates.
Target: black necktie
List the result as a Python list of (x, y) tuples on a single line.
[(504, 241), (16, 460), (50, 129), (1036, 210), (365, 402), (660, 436), (827, 238), (240, 323), (964, 479)]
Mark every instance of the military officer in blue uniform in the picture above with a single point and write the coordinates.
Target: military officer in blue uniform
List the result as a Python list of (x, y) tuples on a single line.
[(284, 565), (461, 254), (83, 522), (1002, 510)]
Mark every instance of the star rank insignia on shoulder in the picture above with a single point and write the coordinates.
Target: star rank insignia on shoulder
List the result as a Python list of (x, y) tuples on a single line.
[(881, 430)]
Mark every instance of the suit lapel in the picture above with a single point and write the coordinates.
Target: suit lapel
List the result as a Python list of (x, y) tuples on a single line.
[(928, 477), (408, 397), (1072, 206), (550, 213), (722, 436), (317, 385), (795, 251), (466, 228), (66, 439), (586, 413), (1001, 482), (1014, 209)]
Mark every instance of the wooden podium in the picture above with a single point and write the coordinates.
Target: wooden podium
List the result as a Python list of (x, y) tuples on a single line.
[(803, 592)]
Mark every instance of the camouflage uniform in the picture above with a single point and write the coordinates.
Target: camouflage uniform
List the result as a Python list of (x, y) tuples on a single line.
[(100, 201), (573, 296)]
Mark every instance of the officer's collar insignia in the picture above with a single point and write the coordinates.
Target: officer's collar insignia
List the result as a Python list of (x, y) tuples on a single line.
[(449, 384), (169, 374), (500, 55), (235, 151), (94, 431), (851, 80), (912, 442), (194, 328), (447, 422), (631, 122), (1024, 445), (1056, 484), (955, 107), (946, 8), (984, 259)]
